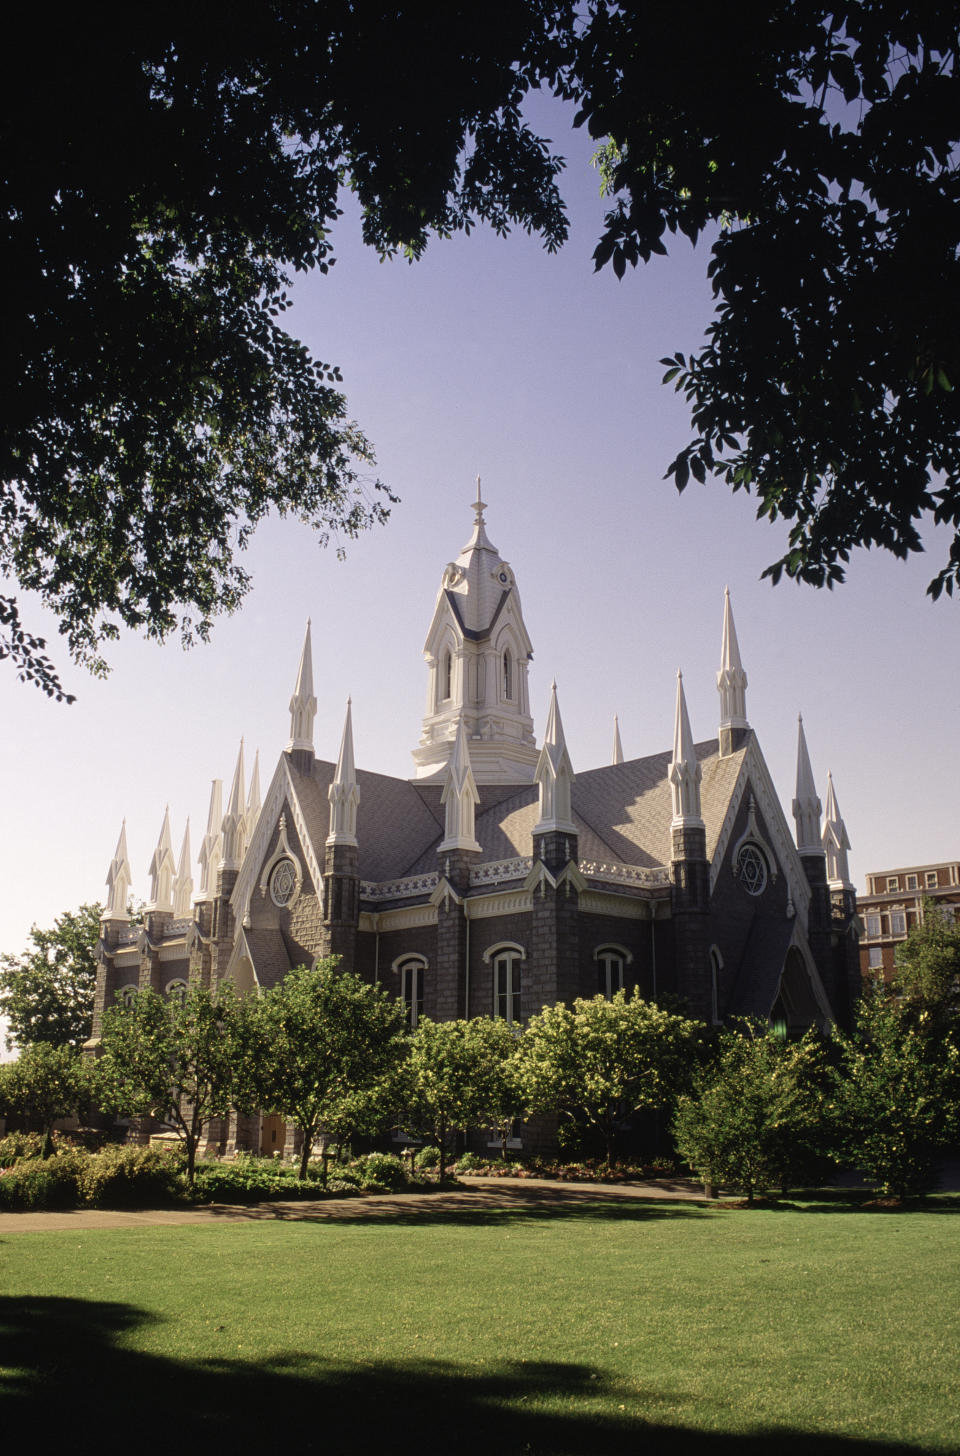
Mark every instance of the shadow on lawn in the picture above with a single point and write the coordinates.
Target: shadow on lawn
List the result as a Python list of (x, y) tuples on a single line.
[(68, 1382)]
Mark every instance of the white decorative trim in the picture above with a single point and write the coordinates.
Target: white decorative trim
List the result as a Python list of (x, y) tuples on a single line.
[(399, 889), (648, 877), (409, 918), (406, 959), (621, 950), (624, 907), (281, 788), (502, 945), (753, 769), (497, 871), (282, 852), (509, 902)]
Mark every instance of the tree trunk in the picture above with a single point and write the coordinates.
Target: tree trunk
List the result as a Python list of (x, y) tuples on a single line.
[(442, 1139), (305, 1151), (47, 1151), (191, 1158)]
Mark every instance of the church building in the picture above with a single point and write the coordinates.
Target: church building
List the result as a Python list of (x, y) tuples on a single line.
[(497, 879)]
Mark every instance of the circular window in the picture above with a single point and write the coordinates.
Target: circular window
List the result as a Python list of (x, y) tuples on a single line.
[(283, 882), (752, 870)]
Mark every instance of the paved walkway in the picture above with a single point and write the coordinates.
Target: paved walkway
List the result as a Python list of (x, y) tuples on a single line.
[(477, 1195)]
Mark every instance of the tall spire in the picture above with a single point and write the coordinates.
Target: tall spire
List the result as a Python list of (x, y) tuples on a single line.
[(554, 774), (211, 850), (731, 683), (617, 745), (183, 884), (253, 797), (234, 821), (685, 770), (477, 651), (303, 704), (162, 869), (118, 880), (806, 806), (835, 841), (344, 793), (459, 798)]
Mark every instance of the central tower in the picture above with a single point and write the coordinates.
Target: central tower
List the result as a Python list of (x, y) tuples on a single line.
[(477, 651)]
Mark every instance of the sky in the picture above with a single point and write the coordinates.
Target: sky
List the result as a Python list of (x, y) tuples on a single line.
[(491, 357)]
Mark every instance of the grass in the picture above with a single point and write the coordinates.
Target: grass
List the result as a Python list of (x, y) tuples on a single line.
[(613, 1329)]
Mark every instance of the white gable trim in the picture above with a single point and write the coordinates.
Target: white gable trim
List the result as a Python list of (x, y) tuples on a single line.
[(754, 770), (281, 788)]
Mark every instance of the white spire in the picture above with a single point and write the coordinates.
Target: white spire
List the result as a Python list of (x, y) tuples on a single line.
[(211, 850), (183, 884), (477, 651), (554, 774), (460, 797), (234, 821), (806, 806), (685, 770), (344, 793), (118, 880), (303, 705), (162, 869), (835, 841), (731, 679), (617, 745), (253, 797)]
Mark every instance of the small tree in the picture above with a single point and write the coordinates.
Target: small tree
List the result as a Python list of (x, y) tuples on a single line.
[(501, 1096), (327, 1043), (45, 1082), (178, 1060), (758, 1112), (897, 1092), (452, 1078), (602, 1061), (928, 969), (47, 993)]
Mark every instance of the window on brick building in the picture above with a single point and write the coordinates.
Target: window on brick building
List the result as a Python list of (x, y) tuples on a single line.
[(873, 926), (505, 961), (898, 922), (893, 883), (410, 970), (912, 882), (126, 996), (930, 879), (875, 954), (610, 960), (177, 991)]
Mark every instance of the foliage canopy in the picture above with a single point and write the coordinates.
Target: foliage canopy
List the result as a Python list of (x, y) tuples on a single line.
[(181, 170), (47, 993)]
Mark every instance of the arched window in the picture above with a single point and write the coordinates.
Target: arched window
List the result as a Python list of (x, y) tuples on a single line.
[(410, 970), (610, 960), (177, 991), (505, 960), (507, 674), (126, 996), (716, 966), (446, 674)]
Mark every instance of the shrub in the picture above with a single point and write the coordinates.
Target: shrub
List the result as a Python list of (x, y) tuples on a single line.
[(36, 1183), (132, 1177), (427, 1158), (17, 1145), (471, 1163), (381, 1173), (249, 1180)]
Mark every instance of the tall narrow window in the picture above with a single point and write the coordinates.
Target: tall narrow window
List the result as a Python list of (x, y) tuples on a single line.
[(411, 989), (609, 972), (507, 674), (446, 675), (716, 964), (506, 986), (126, 997), (177, 991)]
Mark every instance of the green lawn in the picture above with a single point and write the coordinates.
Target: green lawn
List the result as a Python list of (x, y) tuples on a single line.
[(618, 1329)]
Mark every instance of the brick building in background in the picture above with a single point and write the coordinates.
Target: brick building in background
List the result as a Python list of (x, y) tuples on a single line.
[(496, 880), (893, 905)]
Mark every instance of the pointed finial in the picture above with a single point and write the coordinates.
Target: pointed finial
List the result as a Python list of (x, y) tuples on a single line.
[(731, 681), (459, 798), (183, 884), (806, 805), (118, 880), (234, 821), (253, 797), (212, 846), (344, 792), (479, 505), (303, 704), (162, 869), (835, 841), (617, 745), (685, 771), (554, 774)]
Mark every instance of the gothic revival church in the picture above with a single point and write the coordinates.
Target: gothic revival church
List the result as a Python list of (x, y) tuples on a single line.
[(496, 880)]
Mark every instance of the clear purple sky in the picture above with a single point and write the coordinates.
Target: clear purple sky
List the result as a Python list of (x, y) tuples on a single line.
[(490, 356)]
